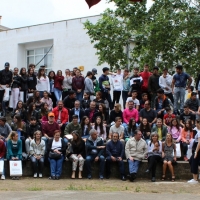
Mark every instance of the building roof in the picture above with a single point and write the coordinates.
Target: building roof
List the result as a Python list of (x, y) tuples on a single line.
[(3, 28)]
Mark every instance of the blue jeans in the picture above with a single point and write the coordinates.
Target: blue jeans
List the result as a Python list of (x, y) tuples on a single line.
[(89, 159), (179, 93), (57, 93), (3, 167), (133, 166), (79, 95), (37, 164), (124, 97), (56, 166)]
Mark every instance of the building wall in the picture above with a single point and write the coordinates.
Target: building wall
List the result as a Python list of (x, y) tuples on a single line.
[(72, 47)]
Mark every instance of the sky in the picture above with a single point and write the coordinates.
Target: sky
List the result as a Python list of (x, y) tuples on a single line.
[(20, 13)]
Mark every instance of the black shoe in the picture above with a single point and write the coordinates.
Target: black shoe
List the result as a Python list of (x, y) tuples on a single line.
[(53, 178), (132, 177), (147, 171), (57, 178), (153, 179), (107, 175), (123, 178)]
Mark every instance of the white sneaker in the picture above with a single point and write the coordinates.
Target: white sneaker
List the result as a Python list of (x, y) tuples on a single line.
[(3, 177), (35, 175), (193, 181), (40, 175)]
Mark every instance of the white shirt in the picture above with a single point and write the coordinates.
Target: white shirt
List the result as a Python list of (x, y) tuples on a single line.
[(136, 101), (56, 144), (166, 82), (43, 84), (117, 82)]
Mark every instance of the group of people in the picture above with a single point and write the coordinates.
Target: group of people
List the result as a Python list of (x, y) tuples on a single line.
[(56, 117)]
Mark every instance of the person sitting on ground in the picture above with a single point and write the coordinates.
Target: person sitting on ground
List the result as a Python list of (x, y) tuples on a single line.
[(154, 154), (168, 148), (85, 102), (148, 113), (98, 99), (160, 129), (186, 137), (85, 127), (135, 150), (48, 100), (36, 100), (115, 153), (2, 157), (186, 115), (168, 117), (91, 112), (129, 113), (43, 113), (117, 128), (77, 110), (5, 129), (103, 113), (175, 130), (145, 128), (143, 100), (31, 128), (56, 151), (37, 150), (14, 148), (134, 99), (32, 112), (100, 127), (116, 112), (78, 154), (130, 130), (70, 100), (94, 152)]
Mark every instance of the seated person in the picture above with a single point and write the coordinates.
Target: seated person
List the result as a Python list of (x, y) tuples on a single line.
[(103, 113), (5, 129), (190, 90), (48, 100), (70, 100), (91, 112), (98, 99), (145, 128), (143, 100), (130, 130), (77, 110), (2, 112), (116, 112), (94, 152), (168, 116), (115, 153), (185, 115), (134, 99), (85, 102), (32, 112), (85, 127), (2, 156)]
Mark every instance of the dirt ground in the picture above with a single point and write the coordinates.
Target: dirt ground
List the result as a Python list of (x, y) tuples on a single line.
[(112, 185)]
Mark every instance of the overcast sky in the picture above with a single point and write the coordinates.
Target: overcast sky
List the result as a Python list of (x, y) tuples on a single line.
[(19, 13)]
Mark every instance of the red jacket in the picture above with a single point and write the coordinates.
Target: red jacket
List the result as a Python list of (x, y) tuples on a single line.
[(64, 114), (58, 82), (2, 149)]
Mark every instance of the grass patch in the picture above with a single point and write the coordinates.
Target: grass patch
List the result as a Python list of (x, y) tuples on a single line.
[(71, 187), (34, 189), (138, 189)]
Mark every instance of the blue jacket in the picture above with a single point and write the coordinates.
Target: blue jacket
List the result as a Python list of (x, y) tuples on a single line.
[(115, 149)]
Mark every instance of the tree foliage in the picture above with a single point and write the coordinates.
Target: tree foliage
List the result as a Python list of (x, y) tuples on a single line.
[(169, 28)]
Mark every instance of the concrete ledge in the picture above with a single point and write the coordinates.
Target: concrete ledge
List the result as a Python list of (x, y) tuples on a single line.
[(182, 170)]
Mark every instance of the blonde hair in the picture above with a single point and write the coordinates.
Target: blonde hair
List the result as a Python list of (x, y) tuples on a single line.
[(34, 135), (12, 134), (118, 106)]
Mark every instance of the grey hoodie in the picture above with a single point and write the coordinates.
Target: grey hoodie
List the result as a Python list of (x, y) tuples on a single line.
[(89, 86)]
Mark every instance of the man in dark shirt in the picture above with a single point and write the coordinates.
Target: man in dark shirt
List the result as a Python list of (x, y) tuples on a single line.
[(148, 113), (91, 112), (193, 103), (186, 115), (70, 100)]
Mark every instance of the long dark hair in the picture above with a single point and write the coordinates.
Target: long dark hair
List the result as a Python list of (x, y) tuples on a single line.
[(39, 73), (22, 70), (83, 123), (30, 110), (29, 70), (132, 127), (190, 125), (177, 124), (147, 128), (35, 98), (78, 141), (50, 76), (18, 107), (44, 112), (104, 108), (19, 121), (100, 125)]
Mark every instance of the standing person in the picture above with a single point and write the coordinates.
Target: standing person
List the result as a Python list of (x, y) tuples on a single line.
[(179, 82), (104, 85), (58, 83), (153, 84), (67, 84), (135, 150), (6, 78), (51, 77), (78, 155), (78, 85), (195, 158), (117, 83), (14, 148), (37, 150), (94, 152), (24, 83), (136, 82), (2, 156), (126, 86), (31, 82), (145, 77), (56, 145), (165, 82), (168, 148), (15, 88), (154, 154), (42, 82), (89, 87)]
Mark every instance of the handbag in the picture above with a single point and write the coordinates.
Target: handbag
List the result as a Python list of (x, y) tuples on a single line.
[(54, 155)]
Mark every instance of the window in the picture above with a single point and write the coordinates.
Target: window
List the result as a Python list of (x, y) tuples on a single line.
[(36, 55)]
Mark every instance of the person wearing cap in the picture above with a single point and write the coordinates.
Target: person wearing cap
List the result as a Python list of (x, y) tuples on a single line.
[(153, 84), (94, 152), (5, 129), (179, 83), (6, 78), (161, 102), (49, 127), (104, 86), (165, 82)]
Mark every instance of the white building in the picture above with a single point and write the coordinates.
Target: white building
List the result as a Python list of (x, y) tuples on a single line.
[(69, 43)]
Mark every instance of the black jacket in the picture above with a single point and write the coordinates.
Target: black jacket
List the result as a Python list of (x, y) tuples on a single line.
[(71, 113), (113, 115), (32, 82), (6, 77), (85, 104), (16, 82), (153, 83), (79, 149), (24, 83), (106, 116), (68, 103), (87, 113), (165, 103), (49, 145), (23, 114), (31, 129)]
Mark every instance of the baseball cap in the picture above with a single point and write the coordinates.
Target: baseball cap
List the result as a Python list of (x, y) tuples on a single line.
[(94, 70), (7, 64), (51, 114)]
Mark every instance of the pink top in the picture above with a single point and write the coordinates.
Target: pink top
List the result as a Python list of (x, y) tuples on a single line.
[(176, 134), (128, 114)]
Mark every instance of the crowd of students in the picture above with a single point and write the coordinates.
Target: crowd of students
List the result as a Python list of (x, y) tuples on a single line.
[(73, 117)]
